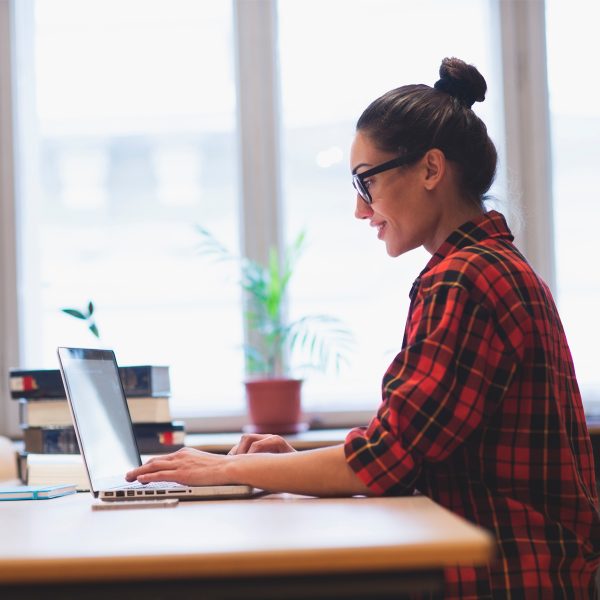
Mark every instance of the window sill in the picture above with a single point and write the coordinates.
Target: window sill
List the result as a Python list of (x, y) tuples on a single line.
[(234, 422), (308, 440)]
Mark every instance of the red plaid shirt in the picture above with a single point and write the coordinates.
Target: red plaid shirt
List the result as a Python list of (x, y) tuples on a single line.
[(481, 412)]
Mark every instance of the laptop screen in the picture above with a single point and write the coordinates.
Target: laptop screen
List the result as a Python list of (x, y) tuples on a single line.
[(101, 416)]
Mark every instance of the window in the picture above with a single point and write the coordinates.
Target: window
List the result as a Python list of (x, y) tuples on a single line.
[(573, 46), (135, 144), (129, 137), (358, 50)]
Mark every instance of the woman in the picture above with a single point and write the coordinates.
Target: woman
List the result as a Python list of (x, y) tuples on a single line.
[(481, 410)]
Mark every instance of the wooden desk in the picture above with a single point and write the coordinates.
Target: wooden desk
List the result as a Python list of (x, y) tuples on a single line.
[(272, 547)]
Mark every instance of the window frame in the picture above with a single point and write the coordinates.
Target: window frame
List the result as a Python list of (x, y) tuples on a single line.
[(528, 156), (10, 331), (518, 34)]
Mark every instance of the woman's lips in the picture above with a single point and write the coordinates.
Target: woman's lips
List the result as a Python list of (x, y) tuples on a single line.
[(380, 229)]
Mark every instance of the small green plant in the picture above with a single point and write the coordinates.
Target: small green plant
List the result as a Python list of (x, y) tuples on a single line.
[(320, 339), (87, 315)]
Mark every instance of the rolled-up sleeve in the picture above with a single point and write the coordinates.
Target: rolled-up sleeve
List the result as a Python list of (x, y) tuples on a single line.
[(450, 376)]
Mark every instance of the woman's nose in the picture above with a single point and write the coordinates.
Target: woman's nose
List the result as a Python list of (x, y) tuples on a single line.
[(362, 210)]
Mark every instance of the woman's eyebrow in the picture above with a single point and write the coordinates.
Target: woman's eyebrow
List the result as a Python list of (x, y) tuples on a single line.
[(359, 166)]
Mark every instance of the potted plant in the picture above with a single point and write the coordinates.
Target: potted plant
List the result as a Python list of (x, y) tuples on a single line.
[(273, 395)]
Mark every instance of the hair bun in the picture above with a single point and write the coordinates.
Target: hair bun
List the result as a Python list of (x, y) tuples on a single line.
[(462, 81)]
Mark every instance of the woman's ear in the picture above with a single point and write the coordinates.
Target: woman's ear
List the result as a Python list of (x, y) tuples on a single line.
[(435, 168)]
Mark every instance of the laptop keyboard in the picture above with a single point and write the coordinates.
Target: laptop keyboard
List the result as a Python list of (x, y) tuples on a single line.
[(153, 485), (135, 489)]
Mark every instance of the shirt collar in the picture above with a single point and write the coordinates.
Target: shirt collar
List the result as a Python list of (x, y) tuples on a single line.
[(489, 225)]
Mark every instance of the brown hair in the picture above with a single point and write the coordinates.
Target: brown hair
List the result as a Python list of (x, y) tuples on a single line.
[(415, 118)]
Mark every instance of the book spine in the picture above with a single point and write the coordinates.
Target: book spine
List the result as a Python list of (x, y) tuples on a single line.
[(36, 384), (157, 439), (50, 440), (152, 447), (22, 466), (146, 380), (142, 380)]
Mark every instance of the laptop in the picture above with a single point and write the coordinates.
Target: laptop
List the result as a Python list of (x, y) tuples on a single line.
[(105, 434)]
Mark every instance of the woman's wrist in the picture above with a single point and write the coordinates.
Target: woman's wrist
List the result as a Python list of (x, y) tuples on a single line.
[(233, 471)]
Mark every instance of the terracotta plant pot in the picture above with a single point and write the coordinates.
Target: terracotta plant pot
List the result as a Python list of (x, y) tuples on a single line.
[(274, 405)]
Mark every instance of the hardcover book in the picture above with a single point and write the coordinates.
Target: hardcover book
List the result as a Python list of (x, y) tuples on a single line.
[(52, 412), (159, 438), (39, 492), (138, 381), (151, 438)]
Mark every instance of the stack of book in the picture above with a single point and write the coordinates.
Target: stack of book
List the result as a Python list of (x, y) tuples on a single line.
[(50, 446)]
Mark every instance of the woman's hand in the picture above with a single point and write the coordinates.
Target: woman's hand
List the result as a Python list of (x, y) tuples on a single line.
[(186, 466), (252, 443)]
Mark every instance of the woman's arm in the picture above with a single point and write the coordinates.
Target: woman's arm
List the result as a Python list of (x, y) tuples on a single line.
[(321, 472)]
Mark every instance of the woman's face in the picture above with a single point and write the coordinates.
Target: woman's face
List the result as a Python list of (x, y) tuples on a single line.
[(403, 212)]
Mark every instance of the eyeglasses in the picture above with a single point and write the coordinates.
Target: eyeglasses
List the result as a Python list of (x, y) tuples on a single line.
[(358, 179)]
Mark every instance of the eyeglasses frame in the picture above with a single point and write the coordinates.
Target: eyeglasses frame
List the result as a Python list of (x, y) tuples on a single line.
[(358, 178)]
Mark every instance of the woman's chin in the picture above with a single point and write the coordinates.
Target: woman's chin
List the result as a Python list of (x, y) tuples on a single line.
[(395, 249)]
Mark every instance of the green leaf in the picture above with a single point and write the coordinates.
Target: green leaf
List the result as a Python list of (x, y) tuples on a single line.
[(210, 246), (74, 313), (90, 309), (255, 360), (94, 329)]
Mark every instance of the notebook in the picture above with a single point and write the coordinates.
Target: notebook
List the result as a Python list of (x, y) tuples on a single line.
[(105, 433)]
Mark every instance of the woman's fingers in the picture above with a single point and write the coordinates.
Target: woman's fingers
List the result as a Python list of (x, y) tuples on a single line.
[(252, 443), (273, 443), (245, 442)]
